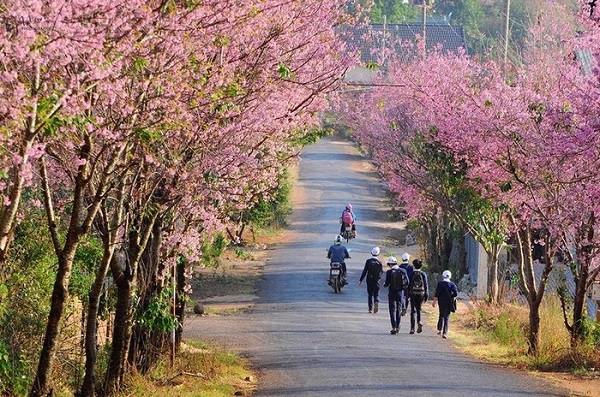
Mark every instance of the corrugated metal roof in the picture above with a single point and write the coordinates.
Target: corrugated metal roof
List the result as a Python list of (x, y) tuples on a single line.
[(375, 41)]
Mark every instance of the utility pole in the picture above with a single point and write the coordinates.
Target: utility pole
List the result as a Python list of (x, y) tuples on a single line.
[(383, 40), (424, 27), (506, 34), (424, 4)]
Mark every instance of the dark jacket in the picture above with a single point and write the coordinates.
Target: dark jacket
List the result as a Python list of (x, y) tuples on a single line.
[(372, 267), (445, 293), (388, 278), (338, 253), (408, 268)]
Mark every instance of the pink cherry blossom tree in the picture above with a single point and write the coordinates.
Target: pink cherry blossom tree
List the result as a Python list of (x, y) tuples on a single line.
[(519, 149), (148, 115)]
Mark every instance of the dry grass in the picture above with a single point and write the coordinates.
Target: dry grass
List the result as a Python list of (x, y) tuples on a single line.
[(499, 335), (197, 372)]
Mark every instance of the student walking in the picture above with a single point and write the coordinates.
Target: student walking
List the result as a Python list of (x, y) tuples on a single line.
[(418, 294), (396, 280), (445, 294), (372, 271), (409, 271)]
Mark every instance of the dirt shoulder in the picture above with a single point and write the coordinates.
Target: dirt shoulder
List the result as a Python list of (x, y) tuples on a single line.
[(231, 286)]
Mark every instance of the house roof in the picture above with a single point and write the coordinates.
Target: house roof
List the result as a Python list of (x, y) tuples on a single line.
[(375, 41)]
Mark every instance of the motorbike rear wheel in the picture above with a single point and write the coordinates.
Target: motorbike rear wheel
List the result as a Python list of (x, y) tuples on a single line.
[(337, 285)]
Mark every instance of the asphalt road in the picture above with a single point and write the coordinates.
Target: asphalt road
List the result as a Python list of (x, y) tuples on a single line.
[(305, 340)]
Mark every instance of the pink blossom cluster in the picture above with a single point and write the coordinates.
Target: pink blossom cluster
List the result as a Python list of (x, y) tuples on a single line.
[(524, 137)]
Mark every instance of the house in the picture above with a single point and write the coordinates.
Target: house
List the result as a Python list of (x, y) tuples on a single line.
[(376, 42)]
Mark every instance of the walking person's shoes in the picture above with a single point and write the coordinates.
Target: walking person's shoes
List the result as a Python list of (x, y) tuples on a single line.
[(412, 331), (439, 332), (376, 307), (394, 331), (444, 336), (419, 328)]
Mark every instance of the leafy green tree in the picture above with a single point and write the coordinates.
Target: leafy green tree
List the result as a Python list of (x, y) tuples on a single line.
[(467, 13), (394, 11)]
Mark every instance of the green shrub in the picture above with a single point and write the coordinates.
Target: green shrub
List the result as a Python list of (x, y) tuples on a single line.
[(212, 250), (15, 373), (591, 333), (158, 316), (508, 331), (27, 278), (274, 212)]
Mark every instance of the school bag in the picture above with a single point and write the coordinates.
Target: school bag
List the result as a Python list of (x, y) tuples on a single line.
[(347, 217), (398, 281), (417, 286), (374, 269)]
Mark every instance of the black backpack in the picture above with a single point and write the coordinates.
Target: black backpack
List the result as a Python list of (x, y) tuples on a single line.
[(417, 286), (398, 280), (374, 269)]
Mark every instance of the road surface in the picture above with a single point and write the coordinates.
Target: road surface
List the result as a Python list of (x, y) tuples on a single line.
[(305, 340)]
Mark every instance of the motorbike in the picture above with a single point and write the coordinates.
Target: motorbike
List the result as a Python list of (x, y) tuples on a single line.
[(336, 278), (347, 233)]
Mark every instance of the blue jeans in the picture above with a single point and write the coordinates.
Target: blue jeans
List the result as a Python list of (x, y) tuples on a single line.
[(396, 304)]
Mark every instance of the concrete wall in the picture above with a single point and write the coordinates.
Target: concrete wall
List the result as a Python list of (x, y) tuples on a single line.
[(477, 265)]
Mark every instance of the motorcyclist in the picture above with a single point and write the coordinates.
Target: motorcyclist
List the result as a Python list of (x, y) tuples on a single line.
[(338, 253), (348, 210)]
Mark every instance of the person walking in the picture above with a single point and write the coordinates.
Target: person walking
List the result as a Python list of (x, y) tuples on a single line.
[(372, 271), (419, 293), (396, 280), (445, 293), (406, 265), (409, 271)]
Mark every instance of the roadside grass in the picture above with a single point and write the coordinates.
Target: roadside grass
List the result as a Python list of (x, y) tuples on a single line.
[(199, 370), (499, 335)]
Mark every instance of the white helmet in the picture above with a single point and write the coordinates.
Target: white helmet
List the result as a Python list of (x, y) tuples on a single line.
[(375, 251), (338, 239), (391, 261), (446, 274), (405, 257)]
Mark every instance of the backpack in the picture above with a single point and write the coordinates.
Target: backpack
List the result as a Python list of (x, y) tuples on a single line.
[(374, 269), (417, 286), (398, 281), (347, 217)]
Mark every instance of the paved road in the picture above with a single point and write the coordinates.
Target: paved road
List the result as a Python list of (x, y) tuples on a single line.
[(306, 340)]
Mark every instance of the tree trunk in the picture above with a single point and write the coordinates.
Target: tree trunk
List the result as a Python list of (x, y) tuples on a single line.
[(60, 294), (585, 254), (180, 308), (533, 291), (534, 327), (577, 330), (123, 323), (125, 276), (492, 266), (146, 344), (91, 331)]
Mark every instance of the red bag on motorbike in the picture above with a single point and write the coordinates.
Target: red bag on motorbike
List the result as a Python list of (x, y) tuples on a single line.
[(347, 218)]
